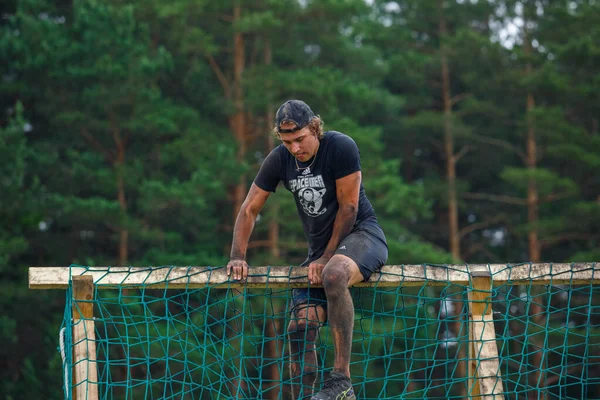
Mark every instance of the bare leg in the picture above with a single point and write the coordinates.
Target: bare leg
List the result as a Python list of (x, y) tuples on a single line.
[(303, 331), (340, 273)]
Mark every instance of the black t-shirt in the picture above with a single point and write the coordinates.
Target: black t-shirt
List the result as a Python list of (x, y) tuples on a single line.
[(314, 188)]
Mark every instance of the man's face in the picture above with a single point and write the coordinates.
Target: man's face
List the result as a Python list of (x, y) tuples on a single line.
[(303, 144)]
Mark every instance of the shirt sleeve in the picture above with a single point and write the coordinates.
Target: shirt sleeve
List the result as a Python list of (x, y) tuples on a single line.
[(269, 174), (346, 157)]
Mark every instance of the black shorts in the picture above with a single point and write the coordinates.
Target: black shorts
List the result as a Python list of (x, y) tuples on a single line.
[(365, 245)]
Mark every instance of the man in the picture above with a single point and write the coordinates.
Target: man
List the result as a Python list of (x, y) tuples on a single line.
[(346, 244)]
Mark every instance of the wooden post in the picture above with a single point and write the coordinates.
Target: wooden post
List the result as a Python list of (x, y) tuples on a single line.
[(485, 381), (85, 373)]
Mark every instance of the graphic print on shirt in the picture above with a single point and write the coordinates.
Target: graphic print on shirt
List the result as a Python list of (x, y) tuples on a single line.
[(310, 191)]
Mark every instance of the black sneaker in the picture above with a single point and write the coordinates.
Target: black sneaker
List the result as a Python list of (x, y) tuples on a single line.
[(336, 387)]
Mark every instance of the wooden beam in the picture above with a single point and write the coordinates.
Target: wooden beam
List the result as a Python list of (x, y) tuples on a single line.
[(85, 373), (485, 380), (293, 277)]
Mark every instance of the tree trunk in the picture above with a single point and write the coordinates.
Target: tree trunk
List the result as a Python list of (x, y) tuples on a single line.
[(237, 122), (123, 231), (272, 352), (532, 193), (453, 228), (453, 234), (270, 117), (273, 223), (119, 166), (273, 355), (537, 379), (412, 386), (238, 125)]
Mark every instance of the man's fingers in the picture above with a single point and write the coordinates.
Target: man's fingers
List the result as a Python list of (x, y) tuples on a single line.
[(314, 273), (318, 273), (240, 271)]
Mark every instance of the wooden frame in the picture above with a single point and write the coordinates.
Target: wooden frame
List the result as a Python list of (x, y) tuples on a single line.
[(483, 363), (290, 277), (85, 372)]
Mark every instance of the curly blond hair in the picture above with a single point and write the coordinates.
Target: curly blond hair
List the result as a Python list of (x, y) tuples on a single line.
[(315, 125)]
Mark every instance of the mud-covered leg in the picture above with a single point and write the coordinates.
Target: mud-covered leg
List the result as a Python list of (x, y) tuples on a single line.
[(340, 273), (303, 331)]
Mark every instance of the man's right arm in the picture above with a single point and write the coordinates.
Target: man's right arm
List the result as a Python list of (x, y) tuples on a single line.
[(244, 224)]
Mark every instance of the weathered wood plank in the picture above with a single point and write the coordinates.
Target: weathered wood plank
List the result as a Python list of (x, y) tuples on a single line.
[(485, 355), (289, 277), (85, 375), (485, 380)]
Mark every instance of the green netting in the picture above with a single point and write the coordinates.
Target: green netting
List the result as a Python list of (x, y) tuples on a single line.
[(409, 342)]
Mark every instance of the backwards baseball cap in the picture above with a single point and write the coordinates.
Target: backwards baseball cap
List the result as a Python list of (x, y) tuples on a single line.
[(295, 111)]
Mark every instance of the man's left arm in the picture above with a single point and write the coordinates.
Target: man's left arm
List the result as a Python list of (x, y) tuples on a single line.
[(347, 192)]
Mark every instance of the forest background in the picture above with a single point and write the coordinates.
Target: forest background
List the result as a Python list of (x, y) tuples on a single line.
[(130, 132)]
